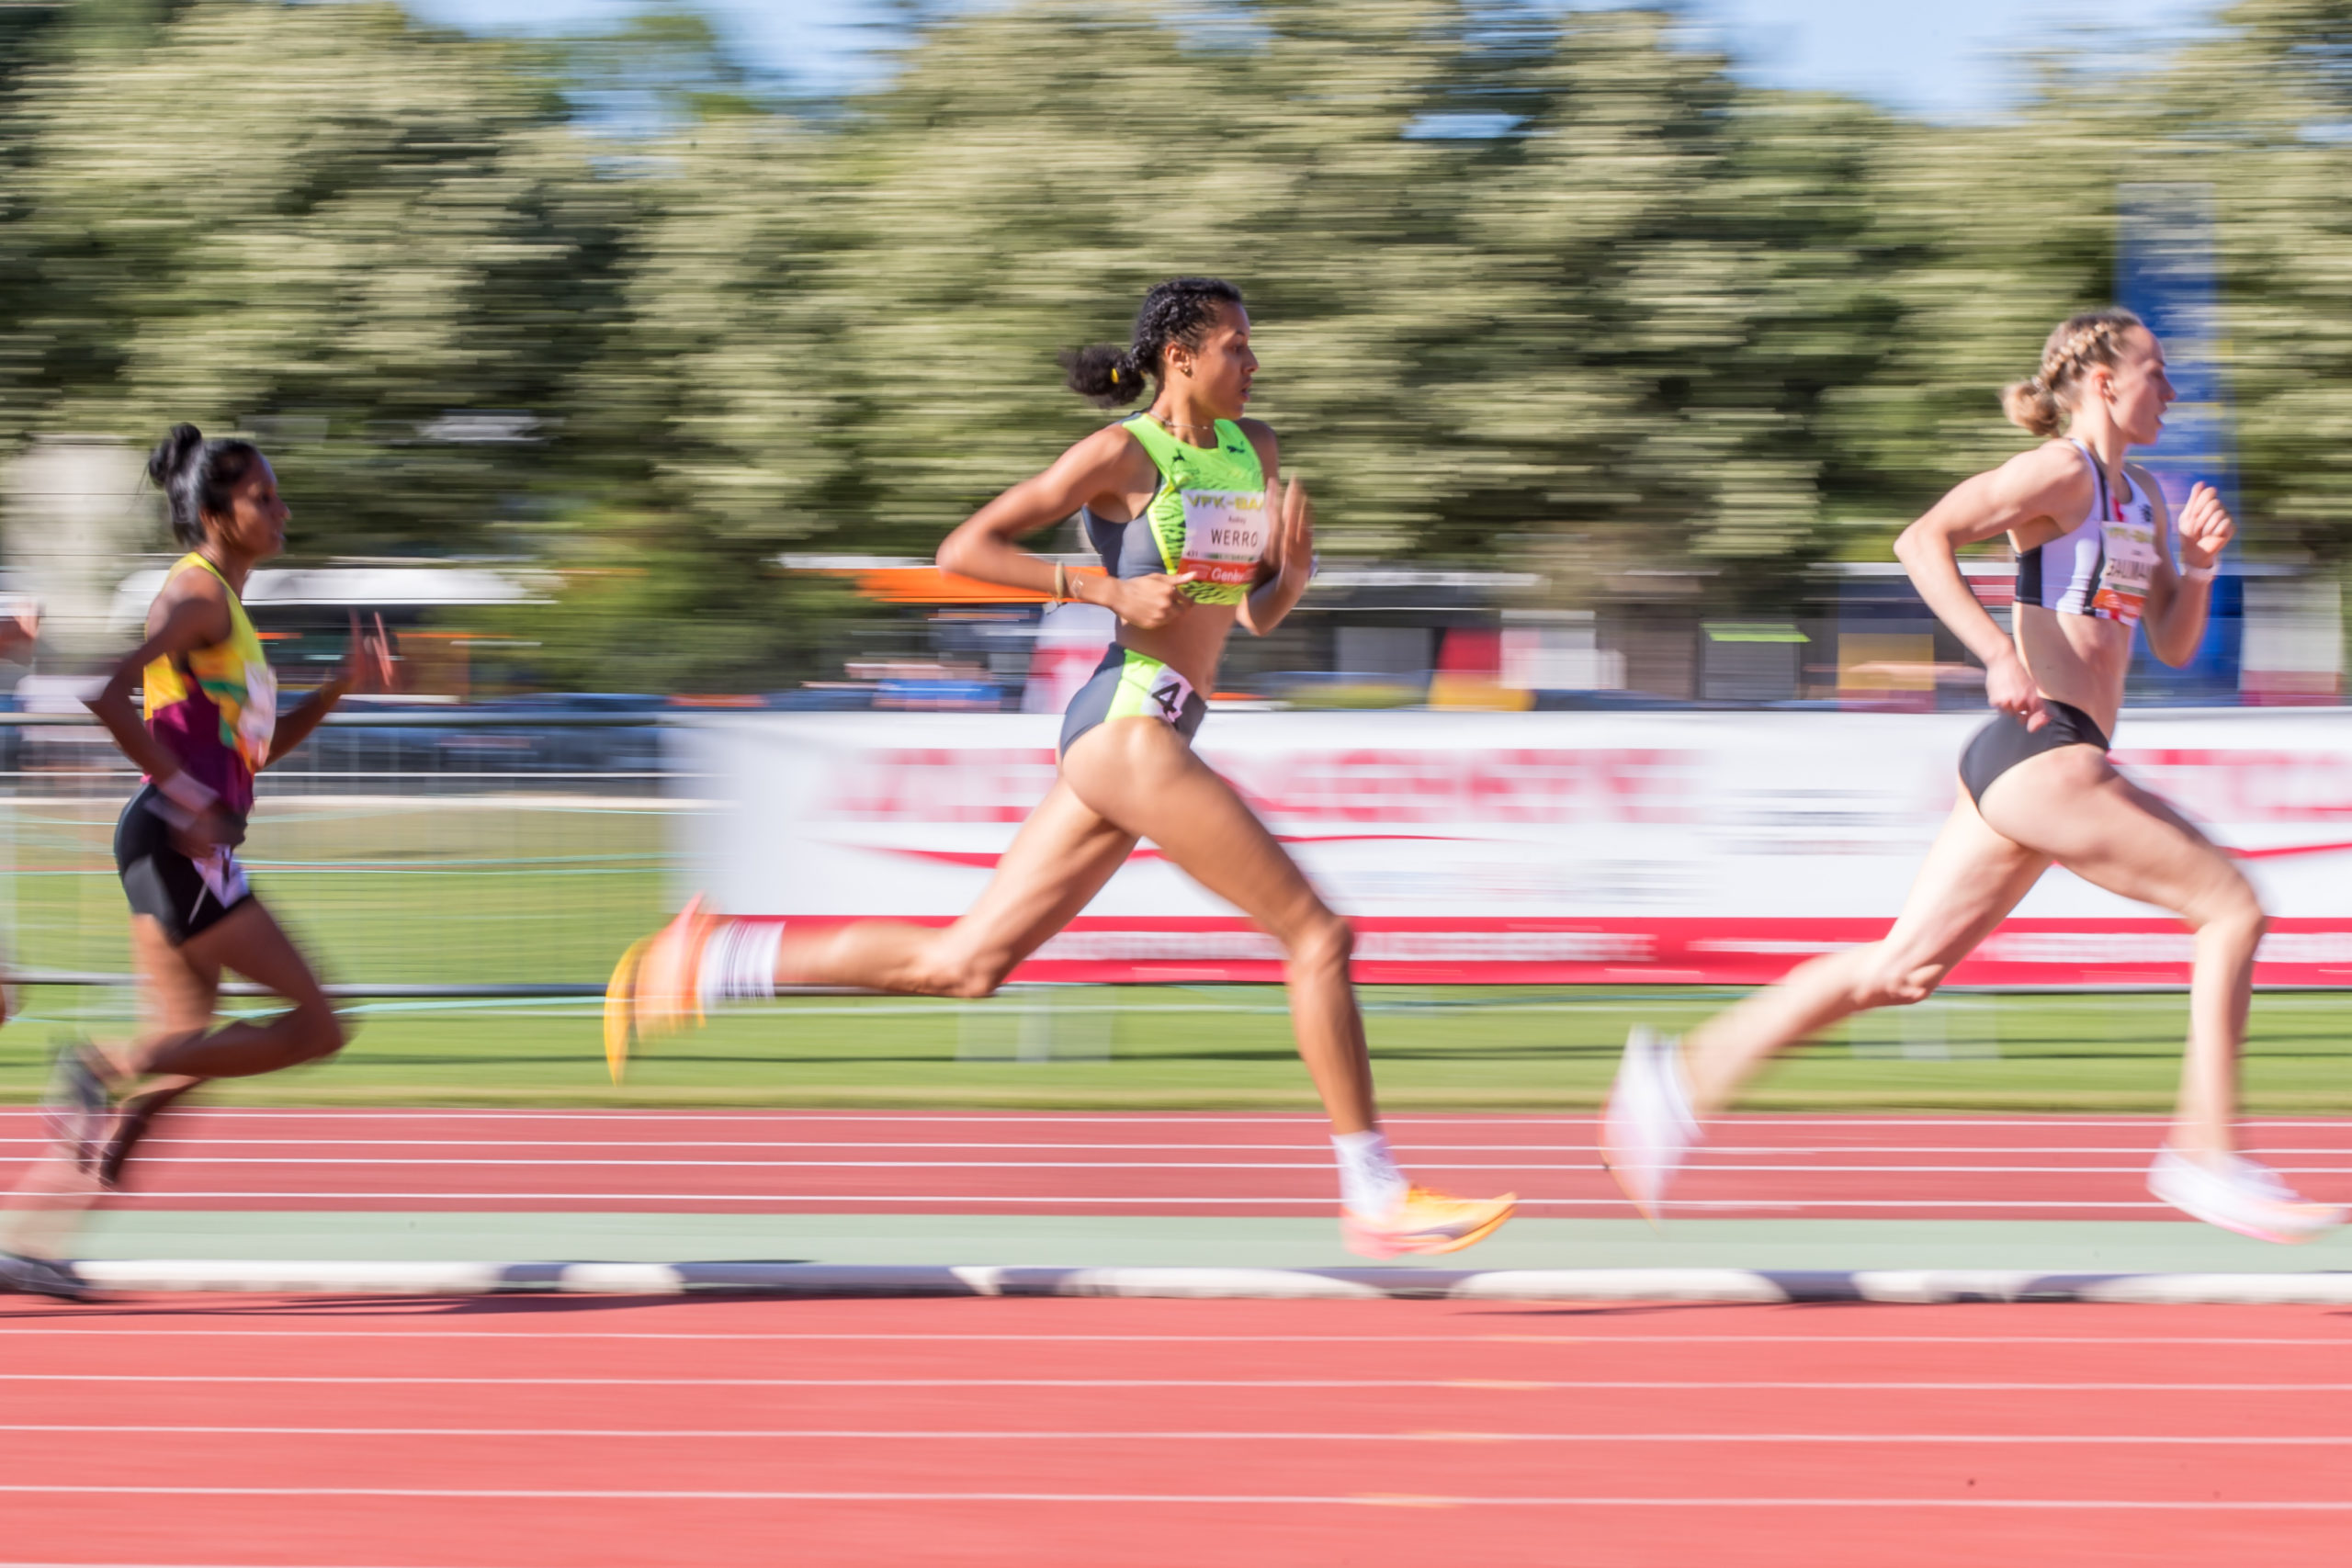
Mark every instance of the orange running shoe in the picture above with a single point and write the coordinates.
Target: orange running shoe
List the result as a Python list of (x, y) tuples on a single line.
[(1426, 1222), (657, 986)]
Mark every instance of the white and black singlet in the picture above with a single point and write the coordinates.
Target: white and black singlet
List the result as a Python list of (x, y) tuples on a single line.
[(2102, 567)]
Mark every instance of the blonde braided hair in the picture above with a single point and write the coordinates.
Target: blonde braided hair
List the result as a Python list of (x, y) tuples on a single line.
[(2093, 337)]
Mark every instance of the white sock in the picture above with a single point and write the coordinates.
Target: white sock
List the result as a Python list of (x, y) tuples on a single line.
[(1370, 1183), (738, 961)]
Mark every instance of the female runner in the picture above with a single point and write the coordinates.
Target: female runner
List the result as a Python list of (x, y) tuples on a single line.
[(1196, 531), (210, 723), (2095, 558)]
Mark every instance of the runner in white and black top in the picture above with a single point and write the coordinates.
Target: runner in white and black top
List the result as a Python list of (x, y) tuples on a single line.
[(2095, 559)]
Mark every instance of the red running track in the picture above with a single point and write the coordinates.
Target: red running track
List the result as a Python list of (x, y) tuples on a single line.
[(523, 1432), (1815, 1167)]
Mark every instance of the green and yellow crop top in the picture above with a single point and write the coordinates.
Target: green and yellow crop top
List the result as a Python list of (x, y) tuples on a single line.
[(215, 708), (1208, 516)]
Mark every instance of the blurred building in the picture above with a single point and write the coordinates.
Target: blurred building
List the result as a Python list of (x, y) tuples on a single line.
[(1372, 634), (76, 509)]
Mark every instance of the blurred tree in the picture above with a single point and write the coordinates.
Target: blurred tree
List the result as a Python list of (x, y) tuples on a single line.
[(388, 263), (1672, 276), (723, 418), (2268, 106), (1983, 239), (1529, 284)]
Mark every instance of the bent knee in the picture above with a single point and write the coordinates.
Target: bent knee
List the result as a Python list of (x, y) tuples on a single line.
[(969, 986), (2234, 912), (1898, 980), (1326, 941), (323, 1034), (968, 976)]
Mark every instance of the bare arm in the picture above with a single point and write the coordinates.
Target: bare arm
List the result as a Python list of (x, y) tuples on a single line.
[(1102, 468), (2021, 498), (2177, 605), (1289, 565), (367, 666)]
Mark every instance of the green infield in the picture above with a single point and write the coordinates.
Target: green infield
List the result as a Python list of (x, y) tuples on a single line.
[(419, 889), (1229, 1047)]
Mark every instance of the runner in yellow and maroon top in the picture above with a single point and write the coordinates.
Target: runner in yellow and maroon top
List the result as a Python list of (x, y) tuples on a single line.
[(210, 723)]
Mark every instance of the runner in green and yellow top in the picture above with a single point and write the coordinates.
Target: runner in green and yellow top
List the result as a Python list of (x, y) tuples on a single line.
[(1186, 507), (210, 723)]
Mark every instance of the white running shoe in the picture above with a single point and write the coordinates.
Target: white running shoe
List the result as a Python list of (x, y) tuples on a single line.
[(2240, 1195), (1649, 1129)]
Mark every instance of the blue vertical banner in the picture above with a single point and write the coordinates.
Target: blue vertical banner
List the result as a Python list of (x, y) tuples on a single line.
[(2167, 273)]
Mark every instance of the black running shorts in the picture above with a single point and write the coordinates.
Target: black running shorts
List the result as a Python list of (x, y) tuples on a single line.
[(185, 896), (2004, 743)]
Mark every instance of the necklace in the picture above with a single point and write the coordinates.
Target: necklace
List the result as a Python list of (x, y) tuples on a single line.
[(1173, 425)]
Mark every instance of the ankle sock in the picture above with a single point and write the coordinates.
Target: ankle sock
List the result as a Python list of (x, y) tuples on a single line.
[(738, 961), (1370, 1183)]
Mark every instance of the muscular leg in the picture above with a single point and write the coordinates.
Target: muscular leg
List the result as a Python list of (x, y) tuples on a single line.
[(177, 995), (1057, 862), (1140, 775), (1973, 877), (250, 941), (1127, 779), (2073, 805)]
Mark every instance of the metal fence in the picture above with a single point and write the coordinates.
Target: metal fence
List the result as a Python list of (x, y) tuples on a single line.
[(461, 853)]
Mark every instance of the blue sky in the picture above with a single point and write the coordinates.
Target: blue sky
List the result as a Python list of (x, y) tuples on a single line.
[(1938, 58)]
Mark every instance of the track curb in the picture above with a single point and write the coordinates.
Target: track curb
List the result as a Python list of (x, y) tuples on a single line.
[(831, 1280)]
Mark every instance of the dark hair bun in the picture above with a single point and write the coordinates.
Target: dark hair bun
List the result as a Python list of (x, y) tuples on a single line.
[(196, 476), (171, 455), (1107, 374)]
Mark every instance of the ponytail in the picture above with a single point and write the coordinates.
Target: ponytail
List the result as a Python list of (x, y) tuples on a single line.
[(2031, 404), (1107, 375)]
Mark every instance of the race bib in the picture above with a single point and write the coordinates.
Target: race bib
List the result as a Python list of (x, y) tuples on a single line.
[(1168, 694), (2131, 550), (257, 718), (1225, 536)]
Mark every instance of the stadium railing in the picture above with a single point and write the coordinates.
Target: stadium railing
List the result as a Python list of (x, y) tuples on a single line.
[(418, 853)]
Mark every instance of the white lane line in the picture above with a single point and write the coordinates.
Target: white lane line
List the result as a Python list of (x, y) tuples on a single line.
[(535, 1335), (185, 1161), (1091, 1435), (1189, 1499), (1322, 1164), (2114, 1121), (1180, 1119), (431, 1315), (1786, 1151), (833, 1118), (959, 1200), (1469, 1384)]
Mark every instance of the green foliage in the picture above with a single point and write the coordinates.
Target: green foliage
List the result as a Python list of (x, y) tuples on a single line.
[(322, 223), (1636, 316)]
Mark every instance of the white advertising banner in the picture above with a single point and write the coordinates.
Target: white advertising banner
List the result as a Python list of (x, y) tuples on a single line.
[(1544, 847)]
